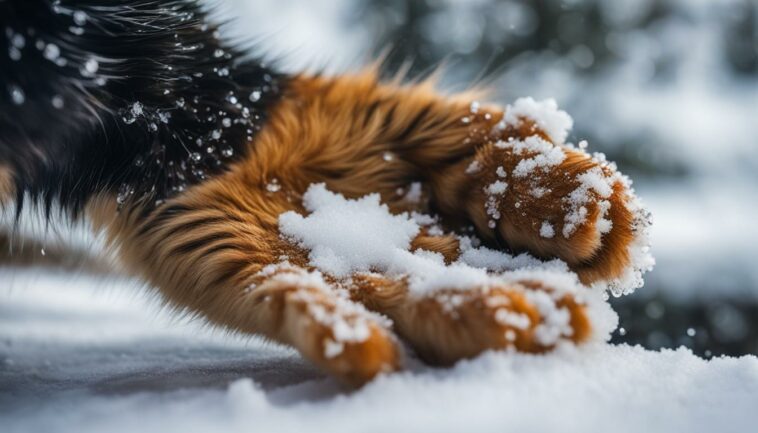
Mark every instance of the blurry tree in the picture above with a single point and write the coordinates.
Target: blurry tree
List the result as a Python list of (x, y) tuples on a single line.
[(489, 33)]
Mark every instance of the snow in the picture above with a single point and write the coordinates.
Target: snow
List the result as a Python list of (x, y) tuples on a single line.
[(347, 236), (273, 186), (338, 245), (343, 331), (80, 18), (52, 52), (414, 193), (17, 95), (81, 354), (348, 321), (255, 96), (91, 66), (554, 122), (344, 237), (591, 180), (496, 188), (474, 167), (546, 155), (547, 230), (540, 157)]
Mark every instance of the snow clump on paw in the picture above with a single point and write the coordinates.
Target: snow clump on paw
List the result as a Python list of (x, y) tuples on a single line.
[(345, 237)]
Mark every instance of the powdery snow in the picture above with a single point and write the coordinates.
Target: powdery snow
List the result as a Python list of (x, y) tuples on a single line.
[(346, 236), (540, 158), (554, 122), (80, 355), (547, 230), (596, 182), (543, 155)]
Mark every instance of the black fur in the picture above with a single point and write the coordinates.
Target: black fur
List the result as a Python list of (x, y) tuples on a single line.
[(137, 97)]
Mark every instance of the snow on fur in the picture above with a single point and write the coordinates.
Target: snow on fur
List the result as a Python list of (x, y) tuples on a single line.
[(349, 322), (548, 118), (346, 236), (540, 157)]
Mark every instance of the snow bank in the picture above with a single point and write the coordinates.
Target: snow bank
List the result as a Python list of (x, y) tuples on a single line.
[(76, 358)]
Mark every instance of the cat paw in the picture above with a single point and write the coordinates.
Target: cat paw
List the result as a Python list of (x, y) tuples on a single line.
[(529, 191), (451, 325), (340, 336)]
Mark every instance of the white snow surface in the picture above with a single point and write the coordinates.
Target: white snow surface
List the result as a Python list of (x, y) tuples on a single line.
[(80, 354)]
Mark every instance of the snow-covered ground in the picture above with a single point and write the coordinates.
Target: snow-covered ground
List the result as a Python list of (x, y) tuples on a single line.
[(82, 354)]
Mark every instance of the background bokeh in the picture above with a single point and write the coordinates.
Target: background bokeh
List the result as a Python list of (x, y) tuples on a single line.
[(666, 88)]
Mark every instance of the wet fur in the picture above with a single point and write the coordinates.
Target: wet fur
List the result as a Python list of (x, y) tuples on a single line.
[(204, 246)]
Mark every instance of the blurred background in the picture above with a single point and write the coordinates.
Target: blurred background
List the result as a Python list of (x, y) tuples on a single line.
[(666, 88)]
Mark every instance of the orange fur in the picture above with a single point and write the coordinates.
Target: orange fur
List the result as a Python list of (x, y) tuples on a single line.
[(7, 188), (456, 324), (448, 246), (207, 249)]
